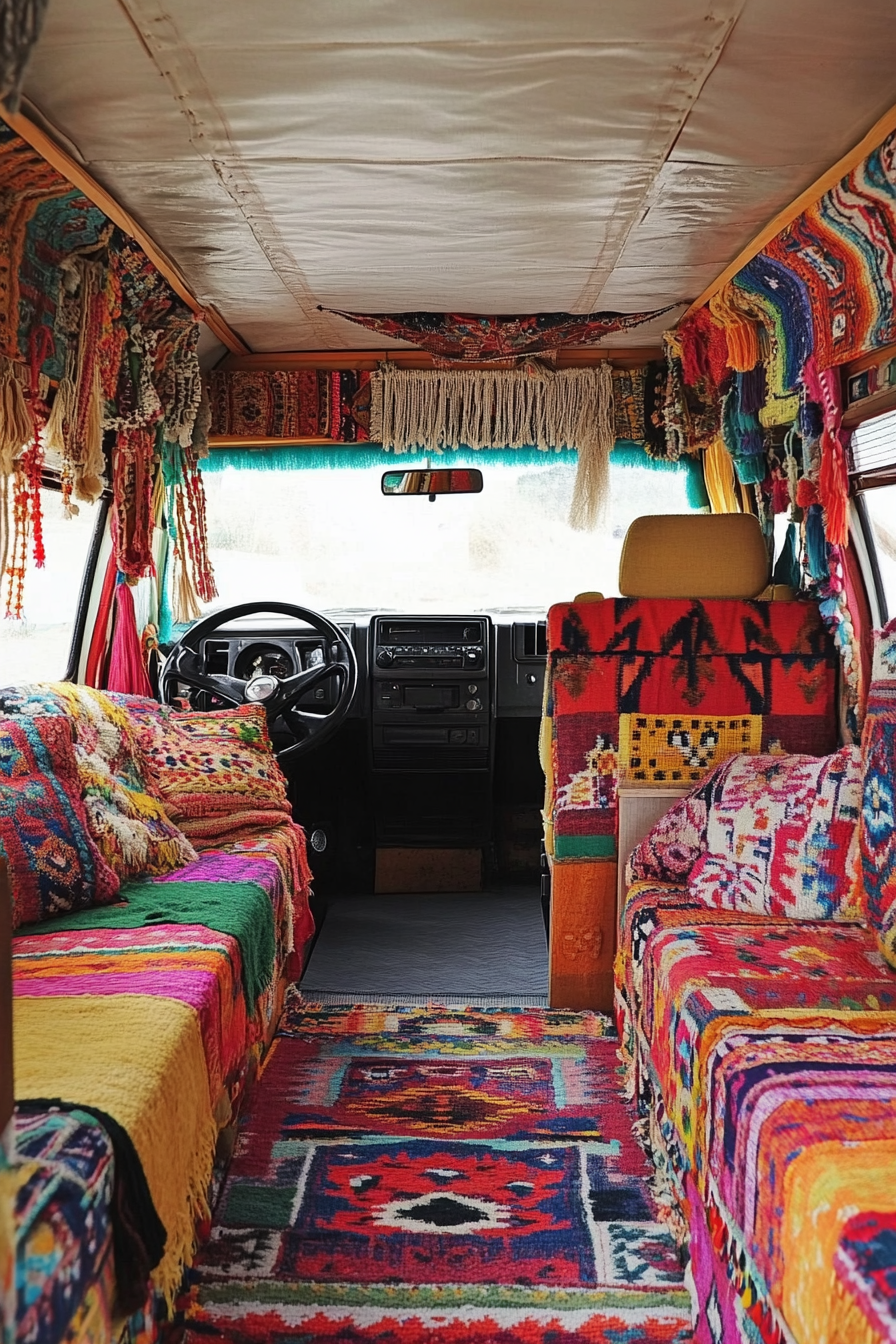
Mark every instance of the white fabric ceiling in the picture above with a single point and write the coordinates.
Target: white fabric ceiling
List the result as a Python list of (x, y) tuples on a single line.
[(511, 156)]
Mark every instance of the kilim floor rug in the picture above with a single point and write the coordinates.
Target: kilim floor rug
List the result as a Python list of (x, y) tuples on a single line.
[(441, 1175)]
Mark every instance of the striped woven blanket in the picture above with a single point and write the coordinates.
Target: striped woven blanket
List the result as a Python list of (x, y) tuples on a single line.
[(763, 1053)]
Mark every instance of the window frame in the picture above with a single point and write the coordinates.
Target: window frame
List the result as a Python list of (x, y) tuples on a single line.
[(50, 481)]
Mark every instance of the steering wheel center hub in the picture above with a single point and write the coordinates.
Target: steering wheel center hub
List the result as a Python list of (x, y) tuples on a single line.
[(261, 687)]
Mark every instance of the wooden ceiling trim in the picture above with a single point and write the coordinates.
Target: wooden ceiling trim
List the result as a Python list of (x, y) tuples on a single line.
[(57, 157), (622, 358), (878, 132)]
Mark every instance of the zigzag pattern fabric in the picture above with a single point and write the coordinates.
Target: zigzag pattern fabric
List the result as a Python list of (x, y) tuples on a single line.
[(878, 825), (662, 691)]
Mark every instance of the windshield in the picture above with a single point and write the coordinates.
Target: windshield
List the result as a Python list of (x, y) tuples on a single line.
[(329, 539)]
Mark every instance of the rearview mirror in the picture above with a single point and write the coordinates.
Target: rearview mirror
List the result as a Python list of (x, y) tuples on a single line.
[(432, 482)]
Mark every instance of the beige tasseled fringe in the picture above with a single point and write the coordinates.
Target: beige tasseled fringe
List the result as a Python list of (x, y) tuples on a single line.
[(430, 410)]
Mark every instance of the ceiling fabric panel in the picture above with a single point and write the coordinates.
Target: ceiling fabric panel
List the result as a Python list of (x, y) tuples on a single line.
[(512, 157), (799, 84), (404, 103), (471, 233)]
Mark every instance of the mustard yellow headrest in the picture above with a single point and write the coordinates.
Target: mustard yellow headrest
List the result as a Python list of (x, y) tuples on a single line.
[(694, 555)]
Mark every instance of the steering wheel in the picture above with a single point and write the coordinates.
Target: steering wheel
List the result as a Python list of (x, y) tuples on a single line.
[(278, 695)]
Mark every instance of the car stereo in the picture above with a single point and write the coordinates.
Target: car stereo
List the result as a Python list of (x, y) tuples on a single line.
[(431, 689)]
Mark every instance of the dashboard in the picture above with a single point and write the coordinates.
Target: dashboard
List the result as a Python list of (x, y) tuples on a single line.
[(440, 739), (415, 672)]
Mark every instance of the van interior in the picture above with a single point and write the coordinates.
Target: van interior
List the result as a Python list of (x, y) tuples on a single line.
[(448, 674)]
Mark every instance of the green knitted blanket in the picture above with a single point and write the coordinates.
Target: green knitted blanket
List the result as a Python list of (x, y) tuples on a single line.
[(241, 909)]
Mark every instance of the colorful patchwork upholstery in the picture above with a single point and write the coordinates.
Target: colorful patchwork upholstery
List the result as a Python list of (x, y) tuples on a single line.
[(767, 1059), (662, 691), (878, 825), (864, 1264), (61, 1201), (131, 829), (54, 865)]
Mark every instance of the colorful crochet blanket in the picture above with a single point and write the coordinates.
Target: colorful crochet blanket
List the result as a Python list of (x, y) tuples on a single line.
[(661, 691), (763, 1055)]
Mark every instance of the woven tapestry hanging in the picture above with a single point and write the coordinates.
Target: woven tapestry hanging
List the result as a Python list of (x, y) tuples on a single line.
[(473, 338), (290, 404)]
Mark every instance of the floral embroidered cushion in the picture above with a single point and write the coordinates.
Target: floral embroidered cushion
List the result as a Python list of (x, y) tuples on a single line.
[(203, 765), (132, 829), (54, 864), (782, 837), (878, 824)]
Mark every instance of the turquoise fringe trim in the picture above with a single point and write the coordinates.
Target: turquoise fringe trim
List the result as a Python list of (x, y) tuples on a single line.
[(293, 458)]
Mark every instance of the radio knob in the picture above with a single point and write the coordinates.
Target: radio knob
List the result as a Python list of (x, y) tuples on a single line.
[(384, 657), (473, 705), (471, 656)]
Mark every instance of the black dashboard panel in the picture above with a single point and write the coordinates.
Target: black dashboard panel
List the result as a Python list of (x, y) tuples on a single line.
[(432, 701), (441, 743), (504, 650)]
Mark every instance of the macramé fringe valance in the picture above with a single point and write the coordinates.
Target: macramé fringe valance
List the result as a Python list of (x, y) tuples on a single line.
[(421, 410)]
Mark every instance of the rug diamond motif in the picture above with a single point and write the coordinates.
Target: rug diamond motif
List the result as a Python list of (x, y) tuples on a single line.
[(443, 1176)]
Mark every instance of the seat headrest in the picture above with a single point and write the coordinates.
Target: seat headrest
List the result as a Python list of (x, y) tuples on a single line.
[(699, 555)]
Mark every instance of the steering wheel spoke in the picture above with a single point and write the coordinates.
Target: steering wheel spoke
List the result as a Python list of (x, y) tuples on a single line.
[(292, 688), (309, 729)]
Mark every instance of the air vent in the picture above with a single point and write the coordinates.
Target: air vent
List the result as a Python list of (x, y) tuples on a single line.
[(530, 640)]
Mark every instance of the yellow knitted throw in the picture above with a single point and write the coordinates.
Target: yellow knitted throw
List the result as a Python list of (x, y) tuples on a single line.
[(141, 1060)]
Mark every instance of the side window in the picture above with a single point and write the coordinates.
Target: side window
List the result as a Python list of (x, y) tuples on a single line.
[(881, 506), (872, 462), (36, 648)]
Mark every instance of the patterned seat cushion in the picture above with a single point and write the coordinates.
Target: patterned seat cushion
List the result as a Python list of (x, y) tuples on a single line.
[(782, 837), (865, 1264), (131, 828), (54, 864), (768, 1048), (702, 981), (212, 765)]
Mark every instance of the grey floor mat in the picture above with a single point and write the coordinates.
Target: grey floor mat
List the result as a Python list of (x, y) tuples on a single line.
[(487, 947)]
